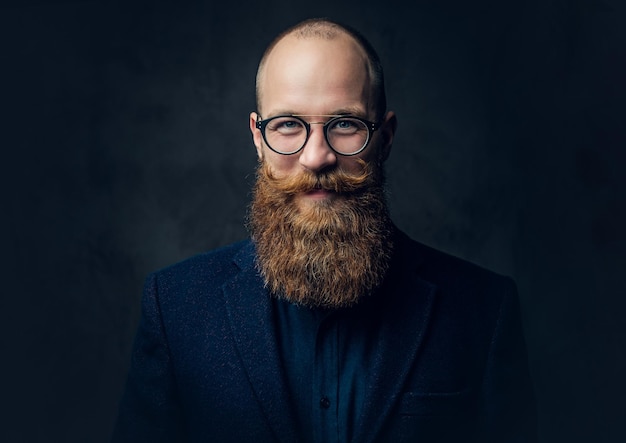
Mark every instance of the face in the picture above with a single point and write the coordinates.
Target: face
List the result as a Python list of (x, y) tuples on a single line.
[(316, 77)]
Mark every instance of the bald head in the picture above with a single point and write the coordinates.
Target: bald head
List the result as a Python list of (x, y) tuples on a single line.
[(355, 46)]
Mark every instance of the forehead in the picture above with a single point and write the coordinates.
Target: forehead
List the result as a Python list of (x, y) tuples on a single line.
[(315, 72)]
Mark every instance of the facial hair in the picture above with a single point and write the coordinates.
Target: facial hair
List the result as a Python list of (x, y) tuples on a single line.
[(326, 253)]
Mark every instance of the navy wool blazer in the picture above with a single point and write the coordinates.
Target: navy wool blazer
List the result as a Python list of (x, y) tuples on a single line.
[(205, 365)]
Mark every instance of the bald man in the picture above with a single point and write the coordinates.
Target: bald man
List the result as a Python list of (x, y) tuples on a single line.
[(328, 324)]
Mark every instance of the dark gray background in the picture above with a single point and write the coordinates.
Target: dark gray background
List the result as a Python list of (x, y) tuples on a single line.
[(125, 147)]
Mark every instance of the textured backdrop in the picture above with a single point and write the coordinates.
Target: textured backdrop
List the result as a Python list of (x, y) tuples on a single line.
[(125, 147)]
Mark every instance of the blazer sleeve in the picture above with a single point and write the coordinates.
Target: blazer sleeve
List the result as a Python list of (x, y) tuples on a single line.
[(149, 410), (507, 386)]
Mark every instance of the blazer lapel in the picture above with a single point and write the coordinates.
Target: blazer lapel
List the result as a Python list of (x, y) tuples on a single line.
[(249, 309), (404, 322)]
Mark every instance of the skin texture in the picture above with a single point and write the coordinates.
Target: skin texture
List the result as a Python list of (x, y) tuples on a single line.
[(315, 77)]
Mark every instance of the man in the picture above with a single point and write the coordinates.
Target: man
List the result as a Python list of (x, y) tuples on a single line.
[(329, 325)]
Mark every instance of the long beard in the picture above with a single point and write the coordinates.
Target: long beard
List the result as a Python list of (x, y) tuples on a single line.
[(327, 253)]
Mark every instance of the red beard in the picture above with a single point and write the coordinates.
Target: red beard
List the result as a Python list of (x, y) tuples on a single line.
[(328, 253)]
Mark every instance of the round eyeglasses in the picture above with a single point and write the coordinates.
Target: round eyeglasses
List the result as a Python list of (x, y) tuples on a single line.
[(287, 134)]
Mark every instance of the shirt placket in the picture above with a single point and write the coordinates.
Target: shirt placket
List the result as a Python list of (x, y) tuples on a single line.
[(325, 400)]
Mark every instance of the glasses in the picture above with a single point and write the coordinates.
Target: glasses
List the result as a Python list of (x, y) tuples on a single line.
[(287, 134)]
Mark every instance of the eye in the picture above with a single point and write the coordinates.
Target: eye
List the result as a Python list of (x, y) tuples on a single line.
[(346, 126), (343, 124), (285, 125)]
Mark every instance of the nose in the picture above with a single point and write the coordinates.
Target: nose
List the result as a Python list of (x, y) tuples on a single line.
[(316, 154)]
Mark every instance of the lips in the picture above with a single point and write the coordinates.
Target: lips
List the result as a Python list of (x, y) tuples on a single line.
[(317, 189), (318, 193)]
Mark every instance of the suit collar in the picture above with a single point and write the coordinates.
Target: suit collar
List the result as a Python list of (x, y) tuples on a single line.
[(249, 308), (404, 320)]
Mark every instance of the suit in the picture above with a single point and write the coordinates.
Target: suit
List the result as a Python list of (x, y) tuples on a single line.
[(452, 365)]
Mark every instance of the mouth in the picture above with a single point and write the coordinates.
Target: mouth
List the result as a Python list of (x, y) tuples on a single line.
[(318, 193)]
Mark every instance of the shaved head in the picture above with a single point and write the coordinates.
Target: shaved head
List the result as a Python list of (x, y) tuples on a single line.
[(324, 29)]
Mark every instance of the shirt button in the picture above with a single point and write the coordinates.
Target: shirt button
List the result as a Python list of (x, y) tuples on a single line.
[(325, 402)]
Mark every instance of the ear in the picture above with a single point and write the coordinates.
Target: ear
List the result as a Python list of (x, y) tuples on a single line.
[(257, 137), (387, 132)]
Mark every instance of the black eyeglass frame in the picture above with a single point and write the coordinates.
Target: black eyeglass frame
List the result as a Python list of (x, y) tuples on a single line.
[(371, 128)]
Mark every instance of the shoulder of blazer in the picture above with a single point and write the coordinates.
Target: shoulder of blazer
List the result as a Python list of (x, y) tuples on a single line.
[(456, 278), (208, 269), (434, 263)]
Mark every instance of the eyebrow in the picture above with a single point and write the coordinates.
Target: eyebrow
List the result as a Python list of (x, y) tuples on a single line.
[(320, 115), (337, 113)]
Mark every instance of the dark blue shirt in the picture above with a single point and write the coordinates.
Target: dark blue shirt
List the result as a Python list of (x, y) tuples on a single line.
[(325, 355)]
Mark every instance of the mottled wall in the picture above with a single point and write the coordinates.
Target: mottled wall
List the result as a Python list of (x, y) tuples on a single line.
[(125, 148)]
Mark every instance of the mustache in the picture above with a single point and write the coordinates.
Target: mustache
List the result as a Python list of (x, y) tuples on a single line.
[(335, 180)]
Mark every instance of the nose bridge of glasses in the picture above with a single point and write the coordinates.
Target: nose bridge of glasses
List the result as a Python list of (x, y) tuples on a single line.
[(322, 138)]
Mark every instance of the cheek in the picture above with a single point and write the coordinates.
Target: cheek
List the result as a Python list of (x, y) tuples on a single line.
[(280, 163), (374, 152), (350, 165), (370, 155)]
